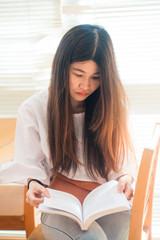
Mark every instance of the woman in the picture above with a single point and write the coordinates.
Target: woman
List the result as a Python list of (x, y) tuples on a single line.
[(77, 128)]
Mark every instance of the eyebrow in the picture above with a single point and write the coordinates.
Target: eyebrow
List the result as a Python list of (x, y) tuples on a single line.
[(80, 70)]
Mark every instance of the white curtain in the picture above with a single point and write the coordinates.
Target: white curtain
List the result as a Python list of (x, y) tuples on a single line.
[(31, 29), (24, 65)]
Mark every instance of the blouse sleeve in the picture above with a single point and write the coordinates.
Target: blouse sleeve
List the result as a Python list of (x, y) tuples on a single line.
[(29, 159), (129, 168)]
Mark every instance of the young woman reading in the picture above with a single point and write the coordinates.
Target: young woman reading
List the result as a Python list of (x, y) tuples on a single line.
[(77, 130)]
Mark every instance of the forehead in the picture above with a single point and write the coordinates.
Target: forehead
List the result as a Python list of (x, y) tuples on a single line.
[(89, 67)]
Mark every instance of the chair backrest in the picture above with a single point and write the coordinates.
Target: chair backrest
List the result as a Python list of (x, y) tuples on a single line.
[(15, 213), (141, 216), (7, 132)]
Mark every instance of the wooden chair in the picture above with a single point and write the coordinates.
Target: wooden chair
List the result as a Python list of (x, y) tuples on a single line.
[(7, 133), (23, 217), (15, 213), (141, 216)]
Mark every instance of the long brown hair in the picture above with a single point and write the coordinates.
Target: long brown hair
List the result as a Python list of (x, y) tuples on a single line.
[(106, 138)]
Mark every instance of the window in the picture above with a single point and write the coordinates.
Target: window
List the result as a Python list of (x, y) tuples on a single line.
[(31, 29)]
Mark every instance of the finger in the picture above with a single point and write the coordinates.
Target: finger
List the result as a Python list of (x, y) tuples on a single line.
[(121, 186), (33, 204), (29, 201), (46, 192), (130, 196), (34, 201), (31, 197), (39, 195), (37, 200), (36, 205), (128, 191), (39, 189)]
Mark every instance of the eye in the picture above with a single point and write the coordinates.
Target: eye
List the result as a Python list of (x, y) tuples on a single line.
[(96, 78), (78, 75)]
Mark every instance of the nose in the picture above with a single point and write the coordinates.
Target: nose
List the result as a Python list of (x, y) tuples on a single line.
[(85, 84)]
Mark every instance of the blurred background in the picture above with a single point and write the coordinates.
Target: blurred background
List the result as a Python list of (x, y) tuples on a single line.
[(30, 31)]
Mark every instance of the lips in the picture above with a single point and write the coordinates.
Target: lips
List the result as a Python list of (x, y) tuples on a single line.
[(82, 94)]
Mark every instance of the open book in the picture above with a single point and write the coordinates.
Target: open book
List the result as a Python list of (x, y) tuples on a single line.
[(101, 201)]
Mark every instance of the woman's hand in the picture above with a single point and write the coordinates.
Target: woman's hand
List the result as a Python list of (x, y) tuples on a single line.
[(35, 194), (125, 185)]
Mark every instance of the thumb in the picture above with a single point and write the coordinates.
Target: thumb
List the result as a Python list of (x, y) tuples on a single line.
[(46, 192)]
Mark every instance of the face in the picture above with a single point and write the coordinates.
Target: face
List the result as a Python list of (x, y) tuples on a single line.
[(84, 79)]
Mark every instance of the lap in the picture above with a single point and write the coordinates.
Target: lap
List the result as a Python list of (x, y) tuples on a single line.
[(110, 227), (116, 225), (56, 227)]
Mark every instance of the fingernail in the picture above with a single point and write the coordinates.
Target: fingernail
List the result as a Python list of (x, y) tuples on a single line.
[(120, 190), (48, 195)]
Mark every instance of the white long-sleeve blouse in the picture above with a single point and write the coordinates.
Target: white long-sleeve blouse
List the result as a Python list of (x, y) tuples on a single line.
[(31, 159)]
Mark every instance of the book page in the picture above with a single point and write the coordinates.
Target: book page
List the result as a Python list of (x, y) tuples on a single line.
[(104, 200), (62, 201)]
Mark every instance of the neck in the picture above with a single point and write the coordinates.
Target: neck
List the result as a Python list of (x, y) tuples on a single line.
[(78, 107)]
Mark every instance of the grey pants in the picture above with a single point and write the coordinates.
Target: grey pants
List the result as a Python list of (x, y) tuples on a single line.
[(111, 227)]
